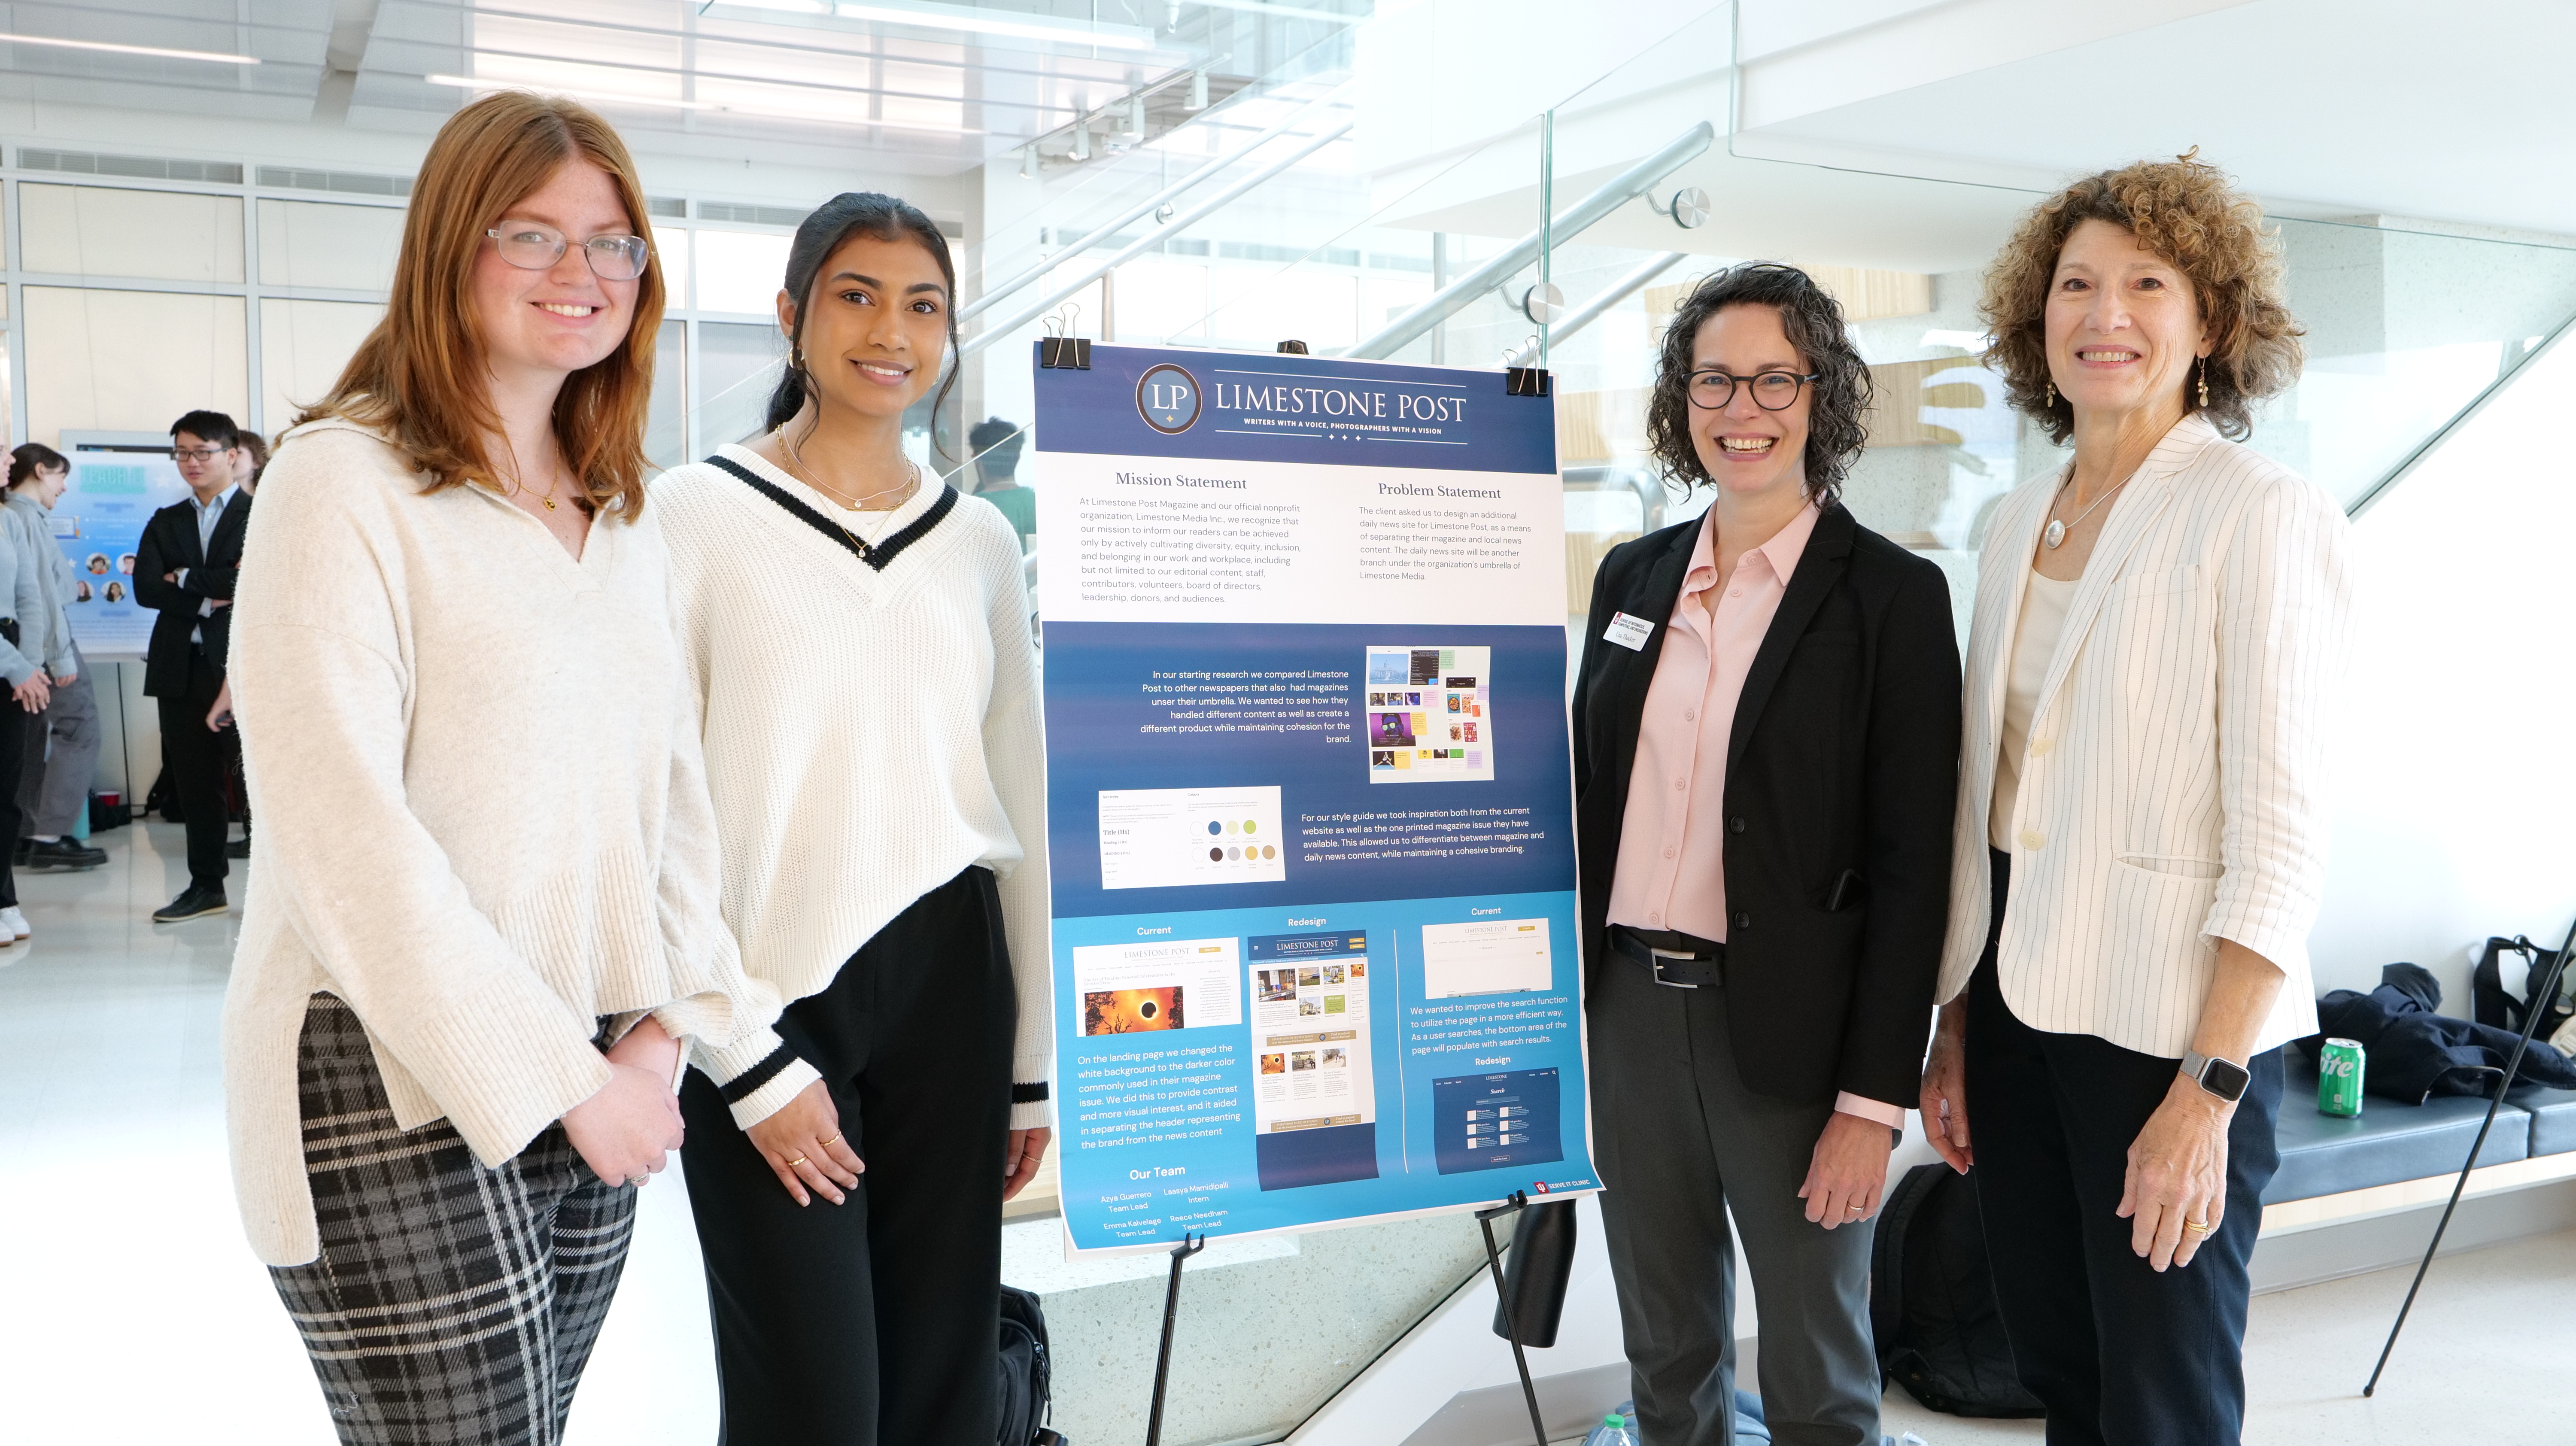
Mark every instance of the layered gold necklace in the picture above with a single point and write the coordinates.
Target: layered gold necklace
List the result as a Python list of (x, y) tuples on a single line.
[(806, 474)]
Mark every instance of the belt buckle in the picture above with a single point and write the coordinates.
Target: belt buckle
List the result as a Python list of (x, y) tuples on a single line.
[(1657, 969)]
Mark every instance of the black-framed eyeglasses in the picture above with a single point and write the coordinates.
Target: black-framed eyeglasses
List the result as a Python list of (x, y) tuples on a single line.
[(535, 248), (1773, 391), (200, 454)]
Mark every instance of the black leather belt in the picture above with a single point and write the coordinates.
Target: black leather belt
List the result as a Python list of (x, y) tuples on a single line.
[(1686, 961)]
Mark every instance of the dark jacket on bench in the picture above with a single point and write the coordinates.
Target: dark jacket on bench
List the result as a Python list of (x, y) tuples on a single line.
[(2416, 1053)]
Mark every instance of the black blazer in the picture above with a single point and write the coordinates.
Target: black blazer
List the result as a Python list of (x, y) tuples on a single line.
[(1844, 756), (169, 544)]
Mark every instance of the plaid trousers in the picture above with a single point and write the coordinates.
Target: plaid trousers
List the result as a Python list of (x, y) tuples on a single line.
[(451, 1304)]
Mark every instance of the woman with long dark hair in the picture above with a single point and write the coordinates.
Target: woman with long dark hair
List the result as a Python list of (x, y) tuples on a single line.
[(483, 915), (872, 730)]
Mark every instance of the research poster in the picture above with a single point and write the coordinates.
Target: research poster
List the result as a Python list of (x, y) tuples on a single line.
[(98, 524), (1309, 794)]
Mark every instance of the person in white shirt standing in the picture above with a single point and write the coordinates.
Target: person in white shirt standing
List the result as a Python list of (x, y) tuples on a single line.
[(873, 750), (2139, 845), (484, 913)]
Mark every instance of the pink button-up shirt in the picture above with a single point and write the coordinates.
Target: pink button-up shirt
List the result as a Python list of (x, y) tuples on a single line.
[(1675, 825)]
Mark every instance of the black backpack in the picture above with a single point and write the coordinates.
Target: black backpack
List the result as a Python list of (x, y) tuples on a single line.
[(2491, 1004), (1027, 1397), (1932, 1300)]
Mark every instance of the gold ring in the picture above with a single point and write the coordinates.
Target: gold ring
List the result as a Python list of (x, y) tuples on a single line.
[(2198, 1225), (799, 1160), (827, 1144)]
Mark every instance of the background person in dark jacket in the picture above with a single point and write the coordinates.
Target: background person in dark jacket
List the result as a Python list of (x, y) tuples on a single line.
[(185, 567), (1766, 745)]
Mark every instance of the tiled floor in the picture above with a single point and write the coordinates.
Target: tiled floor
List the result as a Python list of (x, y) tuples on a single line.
[(131, 1310)]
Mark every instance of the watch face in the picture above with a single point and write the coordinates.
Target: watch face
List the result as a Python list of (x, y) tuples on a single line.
[(2225, 1079)]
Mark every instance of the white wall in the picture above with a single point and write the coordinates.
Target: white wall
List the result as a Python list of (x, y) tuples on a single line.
[(2455, 800)]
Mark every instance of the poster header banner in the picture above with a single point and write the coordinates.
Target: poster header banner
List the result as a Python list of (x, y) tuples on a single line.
[(1153, 402)]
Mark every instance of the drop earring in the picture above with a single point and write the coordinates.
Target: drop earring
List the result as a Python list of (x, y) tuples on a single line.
[(2052, 396), (2204, 384)]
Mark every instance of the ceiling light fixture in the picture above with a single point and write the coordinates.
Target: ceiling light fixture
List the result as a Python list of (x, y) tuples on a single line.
[(213, 56), (612, 97), (618, 97), (985, 22)]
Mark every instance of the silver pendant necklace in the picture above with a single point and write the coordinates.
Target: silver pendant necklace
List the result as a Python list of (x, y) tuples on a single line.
[(2055, 536)]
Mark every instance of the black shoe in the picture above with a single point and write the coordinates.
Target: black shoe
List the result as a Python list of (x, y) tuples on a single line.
[(64, 854), (196, 903), (238, 849)]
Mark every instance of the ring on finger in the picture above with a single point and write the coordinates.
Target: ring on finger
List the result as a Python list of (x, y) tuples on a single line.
[(799, 1160), (2197, 1227), (827, 1144)]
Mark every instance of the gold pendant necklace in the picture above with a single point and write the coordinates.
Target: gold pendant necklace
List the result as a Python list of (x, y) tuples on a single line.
[(547, 497)]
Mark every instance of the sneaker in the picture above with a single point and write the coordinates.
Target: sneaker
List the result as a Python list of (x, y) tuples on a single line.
[(238, 849), (13, 924), (62, 854), (196, 903)]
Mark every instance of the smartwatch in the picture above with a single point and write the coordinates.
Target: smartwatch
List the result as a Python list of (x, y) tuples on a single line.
[(2224, 1078)]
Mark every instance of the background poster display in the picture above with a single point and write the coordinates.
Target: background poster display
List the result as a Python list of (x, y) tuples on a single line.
[(98, 525), (1310, 802)]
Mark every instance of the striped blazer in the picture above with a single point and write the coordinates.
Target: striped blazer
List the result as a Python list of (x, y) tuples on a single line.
[(2173, 788)]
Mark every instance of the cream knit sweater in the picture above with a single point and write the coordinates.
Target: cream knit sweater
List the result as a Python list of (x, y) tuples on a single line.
[(483, 818), (868, 735)]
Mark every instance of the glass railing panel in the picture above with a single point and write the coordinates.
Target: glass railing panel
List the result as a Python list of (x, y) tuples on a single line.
[(1269, 1327), (2405, 329)]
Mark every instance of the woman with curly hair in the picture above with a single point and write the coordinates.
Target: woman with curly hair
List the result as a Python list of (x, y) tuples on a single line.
[(1765, 751), (2140, 849)]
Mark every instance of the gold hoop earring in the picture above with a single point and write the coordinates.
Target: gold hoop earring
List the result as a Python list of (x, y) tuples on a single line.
[(2204, 383)]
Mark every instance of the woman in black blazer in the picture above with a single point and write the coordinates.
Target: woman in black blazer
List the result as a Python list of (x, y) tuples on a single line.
[(1766, 744)]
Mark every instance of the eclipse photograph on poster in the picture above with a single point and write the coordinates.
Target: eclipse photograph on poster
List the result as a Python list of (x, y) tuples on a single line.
[(1131, 1011)]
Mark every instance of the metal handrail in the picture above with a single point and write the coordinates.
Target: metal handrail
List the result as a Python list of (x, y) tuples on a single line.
[(1592, 311), (1561, 228)]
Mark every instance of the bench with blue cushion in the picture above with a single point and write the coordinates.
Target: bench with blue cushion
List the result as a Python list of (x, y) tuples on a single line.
[(2553, 1118), (2389, 1142)]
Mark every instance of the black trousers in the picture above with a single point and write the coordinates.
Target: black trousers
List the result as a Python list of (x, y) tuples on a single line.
[(2115, 1351), (195, 755), (876, 1320)]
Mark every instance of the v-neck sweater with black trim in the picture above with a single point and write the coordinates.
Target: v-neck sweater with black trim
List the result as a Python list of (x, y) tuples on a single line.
[(871, 729)]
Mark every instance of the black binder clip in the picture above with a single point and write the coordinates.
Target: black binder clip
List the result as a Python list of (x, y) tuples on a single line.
[(1528, 381), (1059, 352)]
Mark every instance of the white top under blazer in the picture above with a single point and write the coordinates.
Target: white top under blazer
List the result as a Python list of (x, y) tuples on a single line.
[(2172, 791)]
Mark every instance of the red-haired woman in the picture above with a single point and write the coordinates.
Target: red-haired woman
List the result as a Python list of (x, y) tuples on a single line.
[(484, 911)]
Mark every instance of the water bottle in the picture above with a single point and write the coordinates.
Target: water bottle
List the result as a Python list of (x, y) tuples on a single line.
[(1614, 1430)]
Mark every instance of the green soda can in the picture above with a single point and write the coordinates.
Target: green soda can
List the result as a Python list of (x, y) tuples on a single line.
[(2339, 1075)]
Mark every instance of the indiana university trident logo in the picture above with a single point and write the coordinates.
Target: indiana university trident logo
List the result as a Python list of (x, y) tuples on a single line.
[(1167, 397)]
